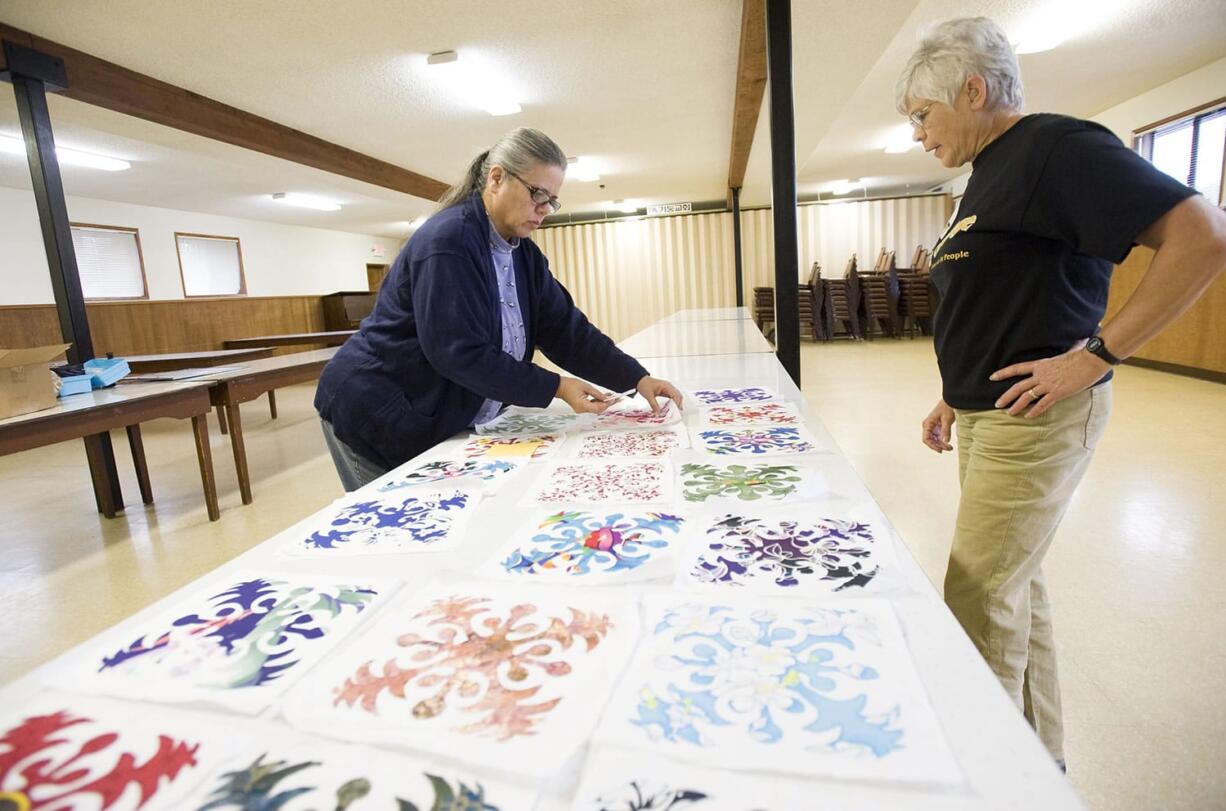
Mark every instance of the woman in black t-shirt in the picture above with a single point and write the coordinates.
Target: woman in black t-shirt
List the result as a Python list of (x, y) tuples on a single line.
[(1024, 269)]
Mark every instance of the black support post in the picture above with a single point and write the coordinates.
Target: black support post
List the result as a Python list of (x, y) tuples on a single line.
[(32, 73), (736, 246), (783, 184)]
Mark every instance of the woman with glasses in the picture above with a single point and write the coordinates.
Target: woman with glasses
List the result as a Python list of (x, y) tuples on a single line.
[(1024, 268), (460, 313)]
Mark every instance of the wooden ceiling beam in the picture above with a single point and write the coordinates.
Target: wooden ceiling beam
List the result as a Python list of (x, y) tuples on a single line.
[(105, 84), (750, 88)]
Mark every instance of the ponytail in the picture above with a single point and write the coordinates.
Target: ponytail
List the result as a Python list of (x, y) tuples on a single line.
[(517, 151), (473, 182)]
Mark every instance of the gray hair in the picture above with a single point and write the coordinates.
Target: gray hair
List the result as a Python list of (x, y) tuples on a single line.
[(953, 51), (519, 151)]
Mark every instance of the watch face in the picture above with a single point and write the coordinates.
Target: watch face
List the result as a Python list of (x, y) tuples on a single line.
[(1095, 344)]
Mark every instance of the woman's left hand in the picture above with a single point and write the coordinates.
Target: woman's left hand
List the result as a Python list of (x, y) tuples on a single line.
[(651, 388), (1047, 381)]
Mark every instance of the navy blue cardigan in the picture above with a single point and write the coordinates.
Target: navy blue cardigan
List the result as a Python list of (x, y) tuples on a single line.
[(429, 354)]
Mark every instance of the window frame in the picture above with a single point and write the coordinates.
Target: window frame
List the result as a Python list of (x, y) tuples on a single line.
[(1142, 140), (242, 272), (140, 258)]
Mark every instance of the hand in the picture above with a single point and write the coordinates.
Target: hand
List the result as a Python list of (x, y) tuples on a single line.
[(1047, 381), (936, 427), (583, 398), (651, 388)]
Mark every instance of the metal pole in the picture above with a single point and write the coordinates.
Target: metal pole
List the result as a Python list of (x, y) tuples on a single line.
[(736, 246), (783, 185), (31, 73)]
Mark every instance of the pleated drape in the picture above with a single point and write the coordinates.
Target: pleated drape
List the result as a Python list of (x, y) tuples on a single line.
[(628, 274)]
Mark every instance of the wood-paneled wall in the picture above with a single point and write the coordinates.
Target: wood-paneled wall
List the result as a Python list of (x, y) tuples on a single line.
[(1197, 340), (181, 325)]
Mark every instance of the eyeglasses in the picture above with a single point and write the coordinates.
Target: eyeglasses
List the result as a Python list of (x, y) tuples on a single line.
[(539, 196), (918, 117)]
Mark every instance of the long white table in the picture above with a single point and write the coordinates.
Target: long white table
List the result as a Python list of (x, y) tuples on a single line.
[(690, 338), (708, 314), (1005, 765)]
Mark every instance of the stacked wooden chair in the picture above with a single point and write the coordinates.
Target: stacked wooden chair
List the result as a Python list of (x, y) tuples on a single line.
[(841, 298), (763, 311), (916, 302), (879, 295), (809, 300), (809, 309)]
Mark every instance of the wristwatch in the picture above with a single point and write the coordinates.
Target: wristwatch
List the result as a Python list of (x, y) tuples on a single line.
[(1095, 346)]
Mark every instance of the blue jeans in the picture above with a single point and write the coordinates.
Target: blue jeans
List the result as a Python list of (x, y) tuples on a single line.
[(354, 469)]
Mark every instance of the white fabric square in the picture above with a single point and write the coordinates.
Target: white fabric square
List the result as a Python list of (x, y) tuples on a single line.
[(806, 550), (630, 481), (654, 443), (480, 672), (236, 641), (595, 546), (781, 686), (409, 520)]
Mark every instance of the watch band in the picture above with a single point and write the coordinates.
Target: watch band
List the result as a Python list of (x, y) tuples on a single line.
[(1095, 346)]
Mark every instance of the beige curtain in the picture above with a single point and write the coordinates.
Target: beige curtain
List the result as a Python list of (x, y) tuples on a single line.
[(628, 274)]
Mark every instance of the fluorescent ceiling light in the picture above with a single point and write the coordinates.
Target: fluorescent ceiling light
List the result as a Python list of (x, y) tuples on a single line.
[(306, 201), (1038, 42), (1056, 22), (66, 156), (844, 186), (624, 206), (474, 86), (582, 169), (900, 140)]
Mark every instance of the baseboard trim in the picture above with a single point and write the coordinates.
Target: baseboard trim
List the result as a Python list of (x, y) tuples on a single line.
[(1179, 369)]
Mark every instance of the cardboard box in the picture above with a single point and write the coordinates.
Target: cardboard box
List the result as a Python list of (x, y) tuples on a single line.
[(25, 379)]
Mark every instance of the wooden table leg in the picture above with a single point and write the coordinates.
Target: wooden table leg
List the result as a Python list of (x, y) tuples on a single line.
[(240, 451), (138, 461), (272, 403), (200, 427), (101, 458), (221, 419)]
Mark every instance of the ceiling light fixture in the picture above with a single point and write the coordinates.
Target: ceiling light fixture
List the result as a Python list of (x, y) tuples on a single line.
[(1053, 22), (900, 140), (306, 201), (582, 169), (1038, 42), (624, 206), (483, 89), (842, 187), (66, 156)]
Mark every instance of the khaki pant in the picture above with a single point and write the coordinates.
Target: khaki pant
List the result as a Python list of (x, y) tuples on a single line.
[(1017, 477)]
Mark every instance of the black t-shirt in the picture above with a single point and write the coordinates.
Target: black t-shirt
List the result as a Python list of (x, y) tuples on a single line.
[(1025, 265)]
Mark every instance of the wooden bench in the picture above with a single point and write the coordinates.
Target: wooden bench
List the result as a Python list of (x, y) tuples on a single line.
[(334, 338)]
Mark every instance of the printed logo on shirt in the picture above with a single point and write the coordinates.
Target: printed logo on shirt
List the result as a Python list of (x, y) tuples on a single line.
[(959, 227)]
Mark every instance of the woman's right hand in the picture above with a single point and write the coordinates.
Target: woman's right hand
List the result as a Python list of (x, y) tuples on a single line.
[(937, 426), (582, 397)]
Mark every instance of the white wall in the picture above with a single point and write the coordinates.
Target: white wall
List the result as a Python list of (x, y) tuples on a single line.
[(278, 260), (1201, 86)]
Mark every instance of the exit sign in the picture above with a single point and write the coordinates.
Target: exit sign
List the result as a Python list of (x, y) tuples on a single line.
[(669, 208)]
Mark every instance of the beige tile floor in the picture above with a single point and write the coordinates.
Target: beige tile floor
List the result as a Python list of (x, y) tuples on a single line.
[(1135, 573)]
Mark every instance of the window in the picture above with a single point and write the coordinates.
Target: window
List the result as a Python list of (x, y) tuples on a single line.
[(1189, 147), (210, 266), (109, 262)]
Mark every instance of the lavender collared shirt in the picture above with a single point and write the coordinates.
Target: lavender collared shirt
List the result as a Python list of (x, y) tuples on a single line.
[(513, 336)]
